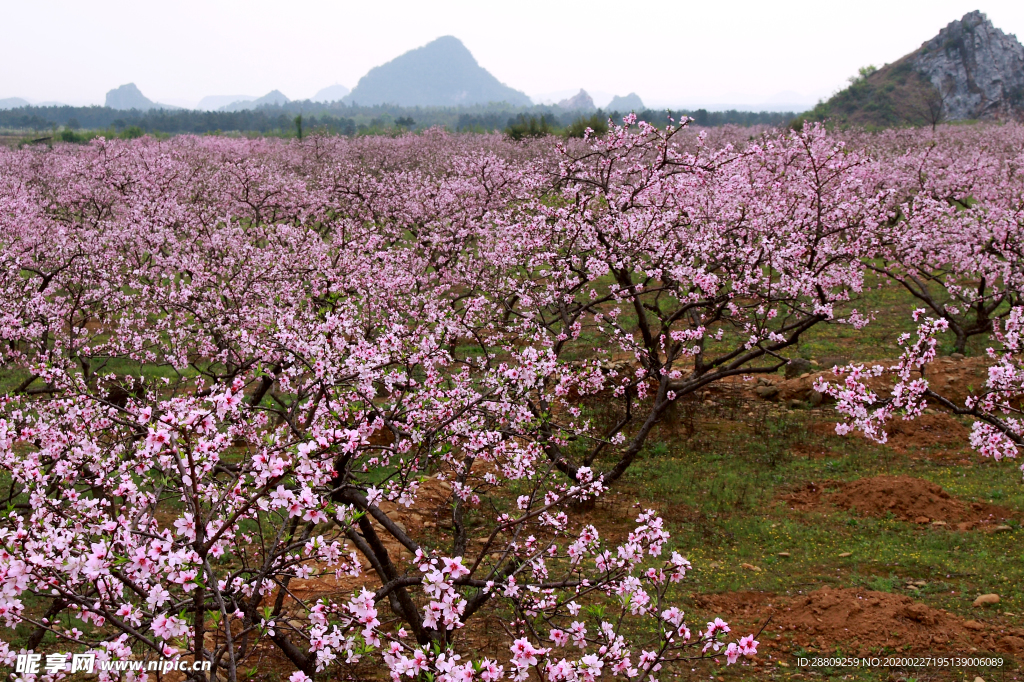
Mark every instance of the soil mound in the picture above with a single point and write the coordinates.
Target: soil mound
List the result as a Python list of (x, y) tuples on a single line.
[(907, 498), (861, 621), (927, 431), (941, 433), (808, 497)]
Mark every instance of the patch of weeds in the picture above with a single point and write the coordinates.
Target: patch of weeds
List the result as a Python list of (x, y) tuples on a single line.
[(880, 584)]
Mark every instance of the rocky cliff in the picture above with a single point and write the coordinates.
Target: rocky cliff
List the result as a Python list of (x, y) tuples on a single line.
[(970, 70), (977, 69)]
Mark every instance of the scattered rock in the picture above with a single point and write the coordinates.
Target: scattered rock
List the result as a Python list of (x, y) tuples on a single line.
[(815, 398), (796, 367), (750, 567), (974, 625), (766, 392), (939, 523), (921, 614), (957, 356), (987, 600), (845, 554), (1001, 529), (922, 519), (784, 555)]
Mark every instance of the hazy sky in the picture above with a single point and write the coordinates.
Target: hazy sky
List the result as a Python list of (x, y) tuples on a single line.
[(668, 52)]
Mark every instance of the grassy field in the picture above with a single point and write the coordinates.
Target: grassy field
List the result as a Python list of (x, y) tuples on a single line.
[(719, 491)]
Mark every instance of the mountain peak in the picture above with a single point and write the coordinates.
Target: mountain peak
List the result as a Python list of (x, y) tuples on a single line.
[(630, 102), (128, 96), (581, 101), (441, 73), (274, 97)]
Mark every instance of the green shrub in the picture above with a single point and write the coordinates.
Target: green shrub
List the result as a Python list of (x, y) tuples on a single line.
[(596, 122)]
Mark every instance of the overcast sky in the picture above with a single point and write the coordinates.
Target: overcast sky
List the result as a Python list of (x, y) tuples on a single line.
[(667, 51)]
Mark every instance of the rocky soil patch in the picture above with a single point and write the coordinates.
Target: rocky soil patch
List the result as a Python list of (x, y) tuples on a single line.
[(860, 621)]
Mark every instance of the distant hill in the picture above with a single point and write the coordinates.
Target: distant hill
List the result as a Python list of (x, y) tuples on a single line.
[(129, 97), (13, 103), (581, 101), (332, 93), (215, 102), (272, 97), (630, 102), (441, 73), (970, 70)]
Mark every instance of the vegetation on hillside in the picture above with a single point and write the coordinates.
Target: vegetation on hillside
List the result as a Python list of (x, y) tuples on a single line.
[(895, 95)]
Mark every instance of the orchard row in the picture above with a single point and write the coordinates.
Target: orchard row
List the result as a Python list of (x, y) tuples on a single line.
[(231, 364)]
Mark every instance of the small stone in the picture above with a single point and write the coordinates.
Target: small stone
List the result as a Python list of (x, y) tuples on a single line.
[(1001, 529), (750, 567), (814, 363), (782, 664), (922, 519), (845, 554), (815, 398), (958, 356), (784, 555), (973, 625), (920, 583), (766, 392), (987, 600), (804, 375), (979, 678), (938, 523)]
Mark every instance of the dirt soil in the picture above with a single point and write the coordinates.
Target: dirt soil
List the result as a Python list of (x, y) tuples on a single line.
[(908, 498), (949, 376), (860, 621)]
